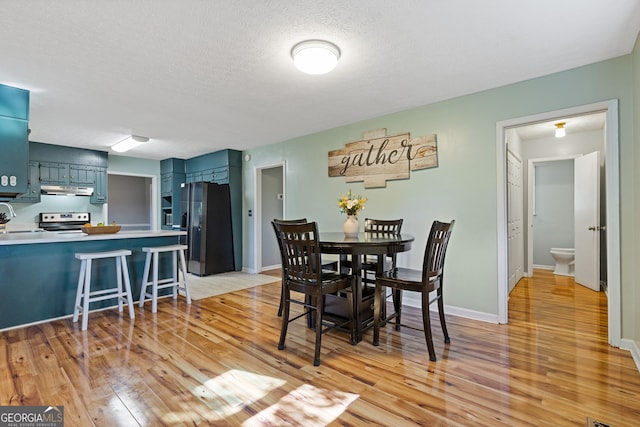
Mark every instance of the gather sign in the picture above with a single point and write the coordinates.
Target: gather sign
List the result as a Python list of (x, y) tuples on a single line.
[(379, 157)]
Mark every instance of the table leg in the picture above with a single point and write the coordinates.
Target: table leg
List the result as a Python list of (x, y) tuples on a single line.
[(356, 266)]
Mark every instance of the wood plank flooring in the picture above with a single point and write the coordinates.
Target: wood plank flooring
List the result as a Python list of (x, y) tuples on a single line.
[(216, 362)]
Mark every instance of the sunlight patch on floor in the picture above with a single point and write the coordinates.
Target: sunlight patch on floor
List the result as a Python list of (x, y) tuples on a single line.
[(307, 405), (228, 393)]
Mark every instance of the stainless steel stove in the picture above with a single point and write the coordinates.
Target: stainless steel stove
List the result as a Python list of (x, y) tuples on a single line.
[(57, 221)]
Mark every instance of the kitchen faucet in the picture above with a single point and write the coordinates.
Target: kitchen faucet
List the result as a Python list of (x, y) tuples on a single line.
[(12, 213)]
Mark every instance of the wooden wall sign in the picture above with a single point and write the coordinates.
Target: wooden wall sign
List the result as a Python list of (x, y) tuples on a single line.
[(378, 157)]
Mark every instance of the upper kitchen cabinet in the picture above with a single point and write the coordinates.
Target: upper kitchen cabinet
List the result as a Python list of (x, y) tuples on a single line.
[(54, 173), (215, 167), (100, 188), (171, 177), (14, 130), (72, 167), (14, 102), (32, 195)]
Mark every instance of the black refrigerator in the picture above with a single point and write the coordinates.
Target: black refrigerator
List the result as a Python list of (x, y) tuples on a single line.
[(206, 217)]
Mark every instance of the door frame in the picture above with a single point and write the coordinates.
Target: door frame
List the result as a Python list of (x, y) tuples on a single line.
[(612, 188), (531, 203), (257, 211)]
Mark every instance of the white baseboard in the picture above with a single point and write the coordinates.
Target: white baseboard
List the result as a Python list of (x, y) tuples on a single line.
[(413, 300), (634, 348), (255, 270), (544, 267)]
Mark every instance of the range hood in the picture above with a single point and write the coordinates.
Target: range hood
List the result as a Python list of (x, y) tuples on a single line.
[(64, 190)]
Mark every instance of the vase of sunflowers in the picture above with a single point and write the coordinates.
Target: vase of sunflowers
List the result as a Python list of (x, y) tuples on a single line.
[(351, 205)]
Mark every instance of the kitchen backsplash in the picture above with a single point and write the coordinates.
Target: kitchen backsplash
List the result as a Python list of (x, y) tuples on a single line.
[(28, 215)]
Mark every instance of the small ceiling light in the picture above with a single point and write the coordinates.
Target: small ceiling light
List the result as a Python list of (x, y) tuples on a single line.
[(315, 56), (560, 130), (129, 143)]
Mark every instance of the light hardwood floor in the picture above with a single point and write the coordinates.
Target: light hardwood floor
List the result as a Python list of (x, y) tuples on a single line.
[(216, 362)]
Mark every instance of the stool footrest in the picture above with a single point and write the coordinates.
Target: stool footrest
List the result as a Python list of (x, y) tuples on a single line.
[(161, 282), (104, 297)]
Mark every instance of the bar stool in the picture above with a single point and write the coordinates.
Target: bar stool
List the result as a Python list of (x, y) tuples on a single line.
[(170, 282), (84, 293)]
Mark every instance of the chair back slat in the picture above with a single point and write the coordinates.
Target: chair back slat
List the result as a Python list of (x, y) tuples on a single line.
[(383, 225), (436, 250)]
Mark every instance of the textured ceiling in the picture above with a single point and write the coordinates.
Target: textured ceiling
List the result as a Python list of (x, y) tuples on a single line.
[(197, 76)]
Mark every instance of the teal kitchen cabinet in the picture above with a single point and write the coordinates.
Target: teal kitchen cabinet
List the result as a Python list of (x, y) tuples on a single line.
[(195, 176), (77, 167), (99, 195), (32, 195), (81, 175), (171, 178), (166, 184), (170, 184), (54, 173), (14, 102), (14, 130)]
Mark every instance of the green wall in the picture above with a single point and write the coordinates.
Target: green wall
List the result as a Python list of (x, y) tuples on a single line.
[(463, 187), (631, 284), (133, 166)]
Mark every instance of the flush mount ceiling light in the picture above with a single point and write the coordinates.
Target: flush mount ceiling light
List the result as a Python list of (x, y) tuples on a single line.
[(315, 56), (560, 130), (129, 143)]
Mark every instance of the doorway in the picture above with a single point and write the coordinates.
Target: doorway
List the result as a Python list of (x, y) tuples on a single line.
[(610, 109), (269, 204)]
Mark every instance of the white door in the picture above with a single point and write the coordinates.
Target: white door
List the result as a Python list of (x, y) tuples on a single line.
[(587, 220), (515, 238)]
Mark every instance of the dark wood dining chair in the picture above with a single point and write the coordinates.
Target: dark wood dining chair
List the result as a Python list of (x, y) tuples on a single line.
[(370, 263), (429, 279), (302, 272), (331, 266)]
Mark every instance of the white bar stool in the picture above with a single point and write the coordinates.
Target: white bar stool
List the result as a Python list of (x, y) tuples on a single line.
[(84, 293), (170, 282)]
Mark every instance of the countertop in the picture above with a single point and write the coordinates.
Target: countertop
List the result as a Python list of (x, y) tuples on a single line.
[(31, 237)]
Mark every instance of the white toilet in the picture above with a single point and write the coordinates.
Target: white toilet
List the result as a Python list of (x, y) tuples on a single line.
[(564, 258)]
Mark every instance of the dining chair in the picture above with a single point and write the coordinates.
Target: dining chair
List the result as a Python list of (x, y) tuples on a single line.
[(302, 272), (429, 279), (331, 266), (370, 263)]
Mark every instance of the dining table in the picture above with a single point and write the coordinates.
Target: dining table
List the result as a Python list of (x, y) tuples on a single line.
[(351, 251)]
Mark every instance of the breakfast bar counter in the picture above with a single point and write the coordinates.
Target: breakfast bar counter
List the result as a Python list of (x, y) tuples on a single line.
[(39, 272), (39, 236)]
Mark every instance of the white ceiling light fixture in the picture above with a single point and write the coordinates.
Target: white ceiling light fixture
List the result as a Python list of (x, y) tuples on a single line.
[(315, 56), (129, 143), (560, 130)]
